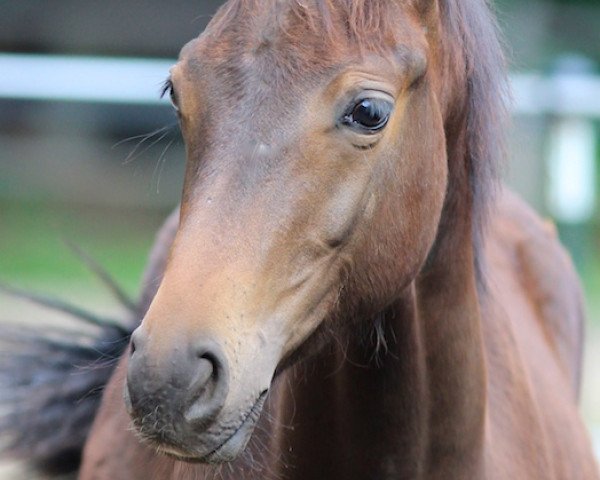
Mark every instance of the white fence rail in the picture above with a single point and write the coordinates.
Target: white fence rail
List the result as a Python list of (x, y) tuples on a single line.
[(570, 101), (560, 94), (138, 80), (82, 79)]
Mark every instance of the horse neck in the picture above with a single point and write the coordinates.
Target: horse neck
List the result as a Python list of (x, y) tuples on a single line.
[(432, 382), (416, 407), (449, 320)]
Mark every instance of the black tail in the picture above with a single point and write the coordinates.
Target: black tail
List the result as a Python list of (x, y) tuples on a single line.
[(52, 377)]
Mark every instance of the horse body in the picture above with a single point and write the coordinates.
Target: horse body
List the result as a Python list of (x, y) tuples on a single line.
[(344, 265), (331, 250), (356, 410)]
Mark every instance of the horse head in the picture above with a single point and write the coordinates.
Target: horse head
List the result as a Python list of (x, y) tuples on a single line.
[(316, 177)]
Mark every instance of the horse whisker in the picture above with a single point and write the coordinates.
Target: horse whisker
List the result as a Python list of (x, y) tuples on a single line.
[(135, 154), (160, 164), (144, 136)]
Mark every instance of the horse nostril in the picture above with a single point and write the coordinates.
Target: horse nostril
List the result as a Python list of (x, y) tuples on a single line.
[(132, 349), (209, 385), (206, 371), (137, 341), (187, 383), (208, 368), (211, 358)]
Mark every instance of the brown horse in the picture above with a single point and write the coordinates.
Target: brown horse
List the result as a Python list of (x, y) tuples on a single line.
[(337, 300)]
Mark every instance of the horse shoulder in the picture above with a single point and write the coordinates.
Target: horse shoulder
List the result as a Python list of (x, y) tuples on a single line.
[(545, 273), (533, 337)]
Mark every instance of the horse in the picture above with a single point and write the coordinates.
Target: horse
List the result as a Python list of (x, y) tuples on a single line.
[(347, 292)]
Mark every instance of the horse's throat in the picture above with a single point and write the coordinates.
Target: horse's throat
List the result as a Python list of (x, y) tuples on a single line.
[(372, 409)]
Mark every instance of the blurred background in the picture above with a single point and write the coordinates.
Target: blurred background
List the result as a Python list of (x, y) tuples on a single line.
[(88, 152)]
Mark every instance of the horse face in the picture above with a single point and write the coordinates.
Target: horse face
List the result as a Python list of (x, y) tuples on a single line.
[(315, 181)]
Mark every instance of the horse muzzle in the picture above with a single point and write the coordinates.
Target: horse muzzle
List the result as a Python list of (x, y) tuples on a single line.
[(176, 401)]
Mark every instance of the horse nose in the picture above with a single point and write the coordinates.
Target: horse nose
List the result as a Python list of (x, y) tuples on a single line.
[(188, 385)]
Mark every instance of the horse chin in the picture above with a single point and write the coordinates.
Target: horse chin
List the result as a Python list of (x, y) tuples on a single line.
[(228, 448), (236, 442)]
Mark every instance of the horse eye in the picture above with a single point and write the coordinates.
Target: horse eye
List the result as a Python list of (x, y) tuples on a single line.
[(168, 88), (370, 114)]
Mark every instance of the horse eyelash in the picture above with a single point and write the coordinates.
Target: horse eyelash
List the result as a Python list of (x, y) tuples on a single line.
[(167, 86)]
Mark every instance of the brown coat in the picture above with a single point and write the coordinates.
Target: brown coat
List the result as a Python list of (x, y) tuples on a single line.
[(318, 424)]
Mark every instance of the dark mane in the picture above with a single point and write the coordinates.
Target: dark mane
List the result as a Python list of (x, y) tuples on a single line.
[(475, 38)]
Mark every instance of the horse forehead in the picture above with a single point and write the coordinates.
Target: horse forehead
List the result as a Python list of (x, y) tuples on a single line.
[(261, 83), (272, 38), (278, 41), (258, 56)]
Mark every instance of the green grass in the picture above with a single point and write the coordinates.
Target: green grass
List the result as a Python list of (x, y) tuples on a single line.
[(583, 242), (590, 276), (34, 255)]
